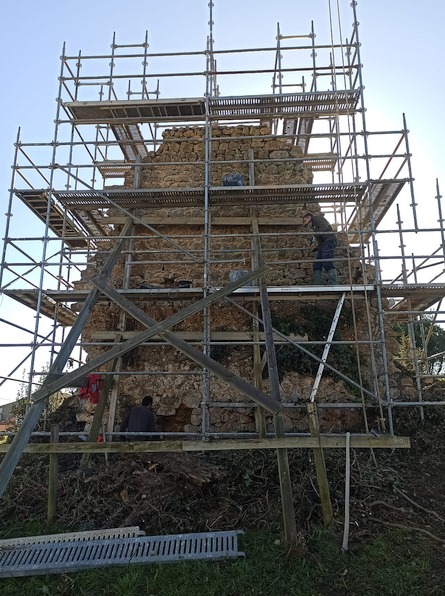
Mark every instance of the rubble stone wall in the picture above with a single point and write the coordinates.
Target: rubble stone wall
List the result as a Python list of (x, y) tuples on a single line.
[(168, 255), (232, 148)]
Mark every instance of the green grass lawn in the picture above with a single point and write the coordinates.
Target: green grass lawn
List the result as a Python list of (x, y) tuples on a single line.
[(390, 563)]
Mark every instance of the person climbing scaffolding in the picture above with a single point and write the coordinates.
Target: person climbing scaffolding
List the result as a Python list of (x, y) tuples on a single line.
[(326, 241)]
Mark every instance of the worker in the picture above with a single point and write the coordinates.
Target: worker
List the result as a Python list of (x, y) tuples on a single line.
[(325, 242), (140, 419)]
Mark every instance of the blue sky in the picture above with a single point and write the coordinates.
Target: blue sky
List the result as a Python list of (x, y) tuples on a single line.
[(402, 50), (403, 46)]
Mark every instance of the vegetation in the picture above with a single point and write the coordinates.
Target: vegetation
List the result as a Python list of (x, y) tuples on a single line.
[(388, 564), (23, 401), (397, 529), (424, 332), (397, 512), (315, 322)]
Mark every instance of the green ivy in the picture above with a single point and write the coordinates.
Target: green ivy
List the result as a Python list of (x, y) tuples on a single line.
[(315, 321)]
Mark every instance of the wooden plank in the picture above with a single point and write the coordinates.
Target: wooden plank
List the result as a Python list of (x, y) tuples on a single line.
[(287, 500), (231, 336), (301, 442)]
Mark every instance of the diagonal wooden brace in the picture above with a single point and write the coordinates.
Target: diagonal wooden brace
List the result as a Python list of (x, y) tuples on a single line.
[(214, 367)]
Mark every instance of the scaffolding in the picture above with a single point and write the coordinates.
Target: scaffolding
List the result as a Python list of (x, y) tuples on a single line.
[(88, 205)]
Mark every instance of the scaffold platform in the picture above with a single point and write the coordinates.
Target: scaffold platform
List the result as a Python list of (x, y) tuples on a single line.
[(55, 304), (413, 298), (308, 104), (89, 220)]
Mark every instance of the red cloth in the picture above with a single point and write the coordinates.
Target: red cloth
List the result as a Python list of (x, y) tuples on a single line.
[(92, 391)]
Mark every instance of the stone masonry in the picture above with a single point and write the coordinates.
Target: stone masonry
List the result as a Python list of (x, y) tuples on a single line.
[(170, 255)]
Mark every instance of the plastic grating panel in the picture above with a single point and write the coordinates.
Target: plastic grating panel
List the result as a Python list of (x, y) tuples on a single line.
[(78, 555), (127, 532)]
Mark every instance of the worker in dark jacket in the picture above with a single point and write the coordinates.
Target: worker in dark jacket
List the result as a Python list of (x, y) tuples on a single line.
[(326, 242), (140, 419)]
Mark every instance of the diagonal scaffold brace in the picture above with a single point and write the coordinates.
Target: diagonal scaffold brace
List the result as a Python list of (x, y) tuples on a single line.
[(50, 385)]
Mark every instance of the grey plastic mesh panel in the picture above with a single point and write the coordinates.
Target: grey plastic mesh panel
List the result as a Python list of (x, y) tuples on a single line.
[(72, 536), (63, 557)]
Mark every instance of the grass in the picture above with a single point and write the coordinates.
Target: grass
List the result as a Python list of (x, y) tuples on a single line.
[(388, 564), (381, 561)]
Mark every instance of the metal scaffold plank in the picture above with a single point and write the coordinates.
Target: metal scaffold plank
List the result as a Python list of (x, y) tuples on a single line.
[(413, 298), (382, 194), (54, 303), (142, 110), (130, 140), (59, 221), (310, 104), (301, 128), (77, 230), (49, 307), (84, 201)]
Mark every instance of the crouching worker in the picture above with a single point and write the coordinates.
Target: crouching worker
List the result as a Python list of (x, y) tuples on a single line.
[(140, 419), (326, 243)]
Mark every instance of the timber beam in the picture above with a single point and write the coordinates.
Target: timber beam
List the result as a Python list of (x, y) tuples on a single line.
[(302, 442)]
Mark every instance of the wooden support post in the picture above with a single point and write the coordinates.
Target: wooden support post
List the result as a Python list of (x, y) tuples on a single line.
[(287, 501), (99, 413), (320, 466), (53, 475), (121, 327), (114, 394), (260, 414)]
